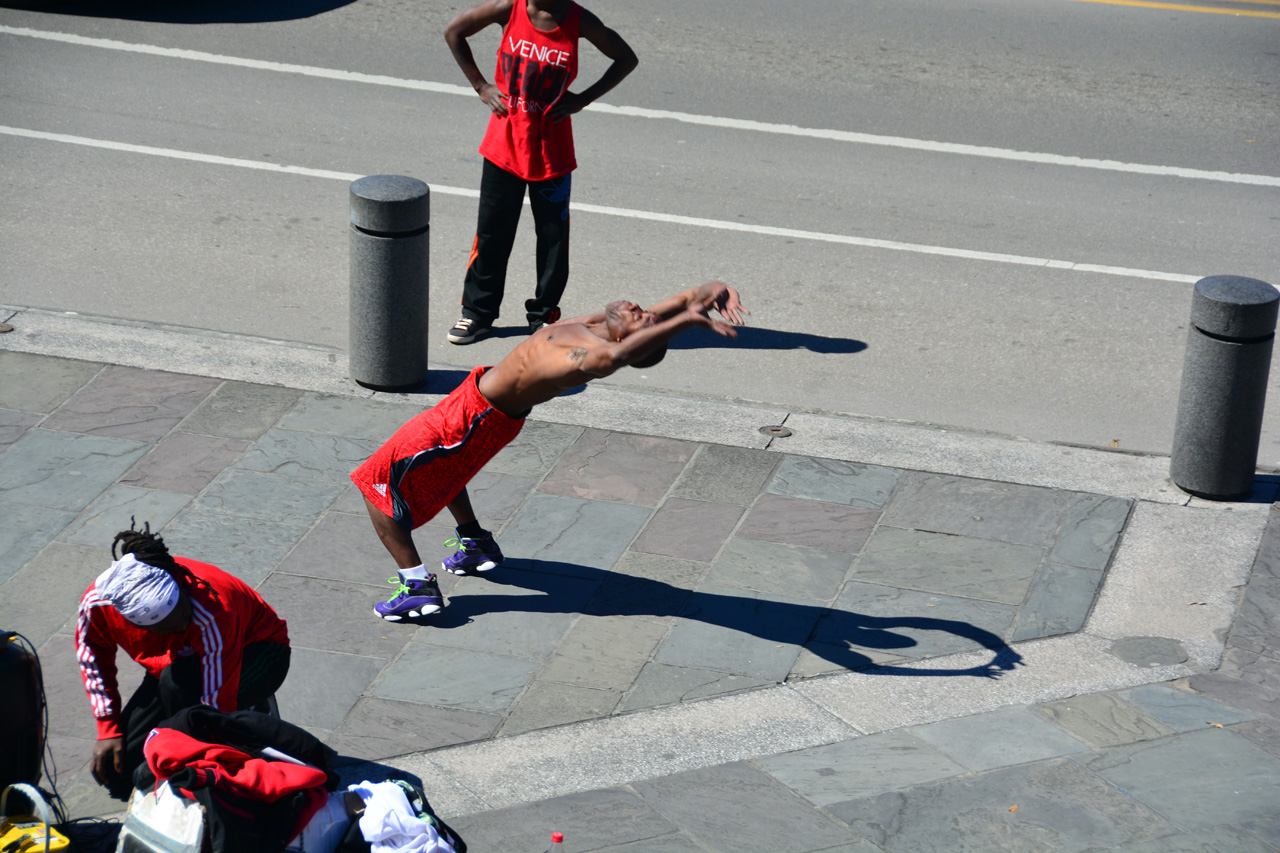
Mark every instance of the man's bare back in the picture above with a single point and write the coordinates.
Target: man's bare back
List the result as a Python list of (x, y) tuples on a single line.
[(572, 352)]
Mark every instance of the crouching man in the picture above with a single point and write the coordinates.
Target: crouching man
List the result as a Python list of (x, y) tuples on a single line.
[(203, 636)]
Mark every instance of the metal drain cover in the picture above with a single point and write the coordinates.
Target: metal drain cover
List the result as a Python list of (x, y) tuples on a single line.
[(777, 431)]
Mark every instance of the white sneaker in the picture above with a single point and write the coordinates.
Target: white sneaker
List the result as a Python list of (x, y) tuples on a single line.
[(467, 330)]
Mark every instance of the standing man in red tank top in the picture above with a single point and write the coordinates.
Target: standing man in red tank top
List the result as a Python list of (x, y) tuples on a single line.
[(528, 144)]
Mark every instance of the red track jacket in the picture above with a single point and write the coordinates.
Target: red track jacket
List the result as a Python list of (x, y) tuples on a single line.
[(221, 626)]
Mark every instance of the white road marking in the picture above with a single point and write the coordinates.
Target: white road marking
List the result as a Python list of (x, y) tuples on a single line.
[(945, 147), (671, 218), (687, 118)]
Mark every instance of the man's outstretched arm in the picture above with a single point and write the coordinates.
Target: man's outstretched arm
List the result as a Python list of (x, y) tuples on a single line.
[(608, 357), (713, 294)]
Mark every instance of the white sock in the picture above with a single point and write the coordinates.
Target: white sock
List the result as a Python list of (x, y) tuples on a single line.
[(418, 572)]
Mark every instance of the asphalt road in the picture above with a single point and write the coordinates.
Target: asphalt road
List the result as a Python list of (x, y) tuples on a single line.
[(887, 184)]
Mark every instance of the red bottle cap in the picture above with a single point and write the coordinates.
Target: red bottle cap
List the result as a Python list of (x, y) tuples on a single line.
[(557, 837)]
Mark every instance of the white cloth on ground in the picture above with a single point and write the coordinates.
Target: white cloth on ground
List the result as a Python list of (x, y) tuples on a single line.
[(390, 825)]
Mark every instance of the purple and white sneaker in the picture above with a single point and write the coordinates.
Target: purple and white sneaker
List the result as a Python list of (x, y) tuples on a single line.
[(414, 597), (473, 555)]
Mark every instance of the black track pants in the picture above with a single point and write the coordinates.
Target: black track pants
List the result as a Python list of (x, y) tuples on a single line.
[(501, 198)]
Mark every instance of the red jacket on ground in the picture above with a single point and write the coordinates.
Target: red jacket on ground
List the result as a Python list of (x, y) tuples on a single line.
[(226, 616), (167, 751)]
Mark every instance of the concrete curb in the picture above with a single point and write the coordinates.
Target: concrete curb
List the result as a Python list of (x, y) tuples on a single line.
[(830, 435)]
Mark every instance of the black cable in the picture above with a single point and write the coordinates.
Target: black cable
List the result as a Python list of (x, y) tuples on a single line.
[(91, 834)]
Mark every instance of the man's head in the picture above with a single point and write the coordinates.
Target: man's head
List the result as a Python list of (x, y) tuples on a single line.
[(145, 584), (147, 596), (623, 318)]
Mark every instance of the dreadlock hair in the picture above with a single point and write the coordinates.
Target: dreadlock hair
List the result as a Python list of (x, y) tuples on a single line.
[(149, 548)]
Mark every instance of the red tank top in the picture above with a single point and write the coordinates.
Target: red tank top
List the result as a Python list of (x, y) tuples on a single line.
[(534, 69)]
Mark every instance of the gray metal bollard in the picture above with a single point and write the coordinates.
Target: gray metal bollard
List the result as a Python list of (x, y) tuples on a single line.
[(1224, 386), (390, 222)]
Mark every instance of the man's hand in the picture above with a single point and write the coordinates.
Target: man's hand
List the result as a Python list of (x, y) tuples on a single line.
[(723, 298), (566, 105), (494, 98), (107, 753), (699, 313)]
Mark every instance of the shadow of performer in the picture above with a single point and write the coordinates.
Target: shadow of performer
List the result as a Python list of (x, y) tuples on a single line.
[(752, 337), (827, 633)]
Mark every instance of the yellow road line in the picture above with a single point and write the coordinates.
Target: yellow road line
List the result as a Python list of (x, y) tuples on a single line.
[(1176, 7)]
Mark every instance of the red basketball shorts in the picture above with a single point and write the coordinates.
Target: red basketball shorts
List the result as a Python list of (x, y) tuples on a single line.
[(429, 460)]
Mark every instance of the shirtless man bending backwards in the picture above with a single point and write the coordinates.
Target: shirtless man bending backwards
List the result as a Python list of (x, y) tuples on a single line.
[(426, 465)]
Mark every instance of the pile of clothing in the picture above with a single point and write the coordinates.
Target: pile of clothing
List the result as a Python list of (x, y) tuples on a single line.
[(267, 786)]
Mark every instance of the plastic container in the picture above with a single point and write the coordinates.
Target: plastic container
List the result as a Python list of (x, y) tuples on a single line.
[(29, 833), (161, 822), (557, 842)]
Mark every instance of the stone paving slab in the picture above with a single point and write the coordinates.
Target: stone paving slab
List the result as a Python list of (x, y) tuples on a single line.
[(1057, 603), (14, 425), (1059, 806), (63, 470), (27, 530), (1219, 839), (334, 683), (1180, 710), (1234, 780), (960, 506), (611, 466), (618, 646), (727, 475), (661, 684), (777, 570), (694, 530), (719, 805), (999, 739), (185, 462), (38, 384), (1104, 719), (113, 510), (861, 767), (244, 546), (240, 410), (833, 481), (124, 402), (950, 564), (612, 817), (380, 728), (605, 652)]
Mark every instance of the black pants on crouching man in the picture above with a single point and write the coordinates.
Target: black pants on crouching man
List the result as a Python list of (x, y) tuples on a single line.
[(262, 671)]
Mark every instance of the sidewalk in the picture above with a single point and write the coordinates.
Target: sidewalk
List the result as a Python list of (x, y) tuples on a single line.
[(863, 636)]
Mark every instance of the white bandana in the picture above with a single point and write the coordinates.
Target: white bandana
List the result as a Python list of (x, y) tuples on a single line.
[(142, 594)]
